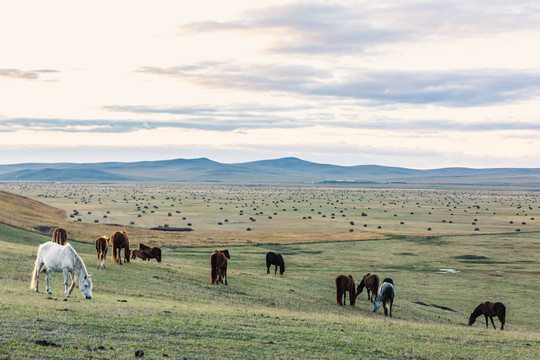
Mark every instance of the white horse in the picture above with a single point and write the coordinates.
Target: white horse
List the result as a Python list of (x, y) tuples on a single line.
[(61, 259), (386, 295)]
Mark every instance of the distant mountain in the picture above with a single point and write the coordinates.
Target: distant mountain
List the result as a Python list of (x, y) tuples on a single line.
[(278, 171)]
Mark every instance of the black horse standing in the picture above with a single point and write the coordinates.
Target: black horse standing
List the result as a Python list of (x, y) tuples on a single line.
[(276, 259)]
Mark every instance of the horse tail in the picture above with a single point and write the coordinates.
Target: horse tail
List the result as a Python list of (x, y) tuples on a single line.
[(503, 315), (213, 265), (375, 286), (33, 283), (114, 239), (339, 291), (59, 236)]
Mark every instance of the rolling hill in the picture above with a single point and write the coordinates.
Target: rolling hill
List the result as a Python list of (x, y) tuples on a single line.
[(276, 171)]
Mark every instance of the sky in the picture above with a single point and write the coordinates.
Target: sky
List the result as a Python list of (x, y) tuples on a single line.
[(417, 84)]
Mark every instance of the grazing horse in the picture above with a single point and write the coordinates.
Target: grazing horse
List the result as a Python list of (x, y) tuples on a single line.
[(139, 253), (386, 295), (151, 252), (276, 259), (102, 245), (489, 309), (218, 263), (59, 236), (120, 241), (64, 259), (371, 283), (344, 284)]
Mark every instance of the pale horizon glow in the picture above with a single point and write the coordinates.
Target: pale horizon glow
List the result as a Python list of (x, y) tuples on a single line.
[(405, 84)]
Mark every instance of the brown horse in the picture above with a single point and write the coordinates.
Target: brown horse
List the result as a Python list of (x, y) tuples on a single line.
[(102, 245), (151, 252), (120, 241), (218, 263), (59, 236), (139, 253), (344, 284), (371, 283), (489, 309)]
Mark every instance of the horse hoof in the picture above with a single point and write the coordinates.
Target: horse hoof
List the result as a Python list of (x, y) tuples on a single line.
[(49, 292)]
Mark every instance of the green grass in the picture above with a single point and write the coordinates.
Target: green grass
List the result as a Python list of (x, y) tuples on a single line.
[(171, 308)]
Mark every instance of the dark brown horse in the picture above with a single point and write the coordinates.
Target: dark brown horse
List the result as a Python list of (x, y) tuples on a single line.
[(344, 284), (371, 283), (102, 245), (120, 241), (59, 236), (218, 263), (140, 254), (151, 252), (276, 259), (489, 309)]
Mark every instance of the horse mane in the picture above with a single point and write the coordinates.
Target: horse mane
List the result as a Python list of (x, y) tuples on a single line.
[(78, 264)]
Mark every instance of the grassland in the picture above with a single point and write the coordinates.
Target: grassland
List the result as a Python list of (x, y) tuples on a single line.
[(171, 309), (221, 215)]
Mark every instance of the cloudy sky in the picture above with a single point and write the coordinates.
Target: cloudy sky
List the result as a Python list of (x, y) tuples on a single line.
[(420, 84)]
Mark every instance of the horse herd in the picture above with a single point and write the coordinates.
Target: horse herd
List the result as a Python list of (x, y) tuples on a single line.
[(58, 256)]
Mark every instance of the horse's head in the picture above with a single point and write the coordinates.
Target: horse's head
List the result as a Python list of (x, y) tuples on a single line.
[(376, 305), (226, 253), (472, 319), (85, 284), (281, 268), (360, 287)]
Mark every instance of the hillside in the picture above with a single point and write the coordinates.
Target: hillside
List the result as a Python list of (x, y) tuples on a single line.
[(277, 171), (170, 310)]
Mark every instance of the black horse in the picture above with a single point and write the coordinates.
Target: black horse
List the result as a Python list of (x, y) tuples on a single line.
[(276, 259)]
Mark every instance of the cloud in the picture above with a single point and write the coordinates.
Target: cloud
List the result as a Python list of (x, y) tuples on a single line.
[(26, 75), (456, 88), (323, 28)]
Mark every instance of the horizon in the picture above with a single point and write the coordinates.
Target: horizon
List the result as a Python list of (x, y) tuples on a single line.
[(403, 84), (272, 159)]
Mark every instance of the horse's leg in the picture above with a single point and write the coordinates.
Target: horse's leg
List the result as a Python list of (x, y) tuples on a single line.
[(37, 276), (486, 320), (492, 323), (268, 269), (66, 282), (501, 319), (391, 302), (48, 275), (118, 256), (225, 275), (385, 306)]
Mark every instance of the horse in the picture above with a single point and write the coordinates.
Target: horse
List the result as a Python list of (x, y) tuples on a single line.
[(61, 259), (120, 241), (386, 295), (489, 309), (59, 236), (218, 264), (151, 252), (371, 283), (139, 253), (344, 284), (273, 258), (102, 245)]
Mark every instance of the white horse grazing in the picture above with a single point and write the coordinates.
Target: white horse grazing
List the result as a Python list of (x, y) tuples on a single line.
[(61, 259), (386, 295)]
